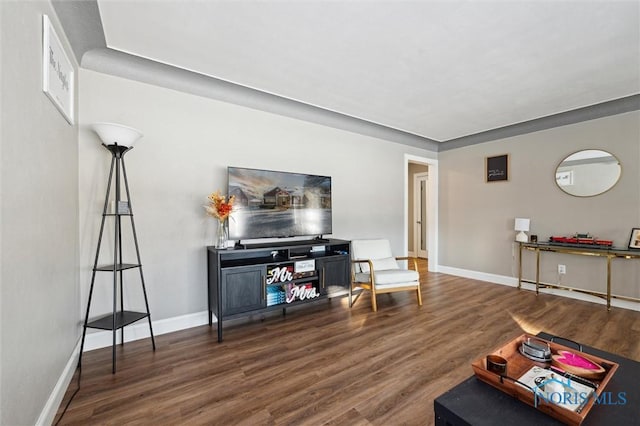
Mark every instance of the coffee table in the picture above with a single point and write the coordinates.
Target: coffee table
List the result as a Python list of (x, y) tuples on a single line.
[(474, 402)]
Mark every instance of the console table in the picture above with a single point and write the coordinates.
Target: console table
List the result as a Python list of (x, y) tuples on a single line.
[(265, 277), (609, 253), (474, 402)]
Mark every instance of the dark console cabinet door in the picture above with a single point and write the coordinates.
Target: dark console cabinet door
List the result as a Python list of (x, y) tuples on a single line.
[(242, 289), (334, 272)]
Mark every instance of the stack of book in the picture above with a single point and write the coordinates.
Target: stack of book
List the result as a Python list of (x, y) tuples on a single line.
[(275, 295), (558, 387)]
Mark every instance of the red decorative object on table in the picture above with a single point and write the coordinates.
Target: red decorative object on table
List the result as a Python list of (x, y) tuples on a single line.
[(581, 239)]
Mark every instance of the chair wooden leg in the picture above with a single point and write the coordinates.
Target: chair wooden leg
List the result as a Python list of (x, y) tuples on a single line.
[(374, 305), (353, 302), (419, 296)]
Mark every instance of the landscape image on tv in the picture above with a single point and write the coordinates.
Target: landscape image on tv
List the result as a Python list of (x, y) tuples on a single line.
[(272, 204)]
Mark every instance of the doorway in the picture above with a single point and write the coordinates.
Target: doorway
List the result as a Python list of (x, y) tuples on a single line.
[(429, 222), (420, 228)]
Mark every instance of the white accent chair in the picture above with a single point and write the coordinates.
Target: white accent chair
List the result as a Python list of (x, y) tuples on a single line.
[(374, 268)]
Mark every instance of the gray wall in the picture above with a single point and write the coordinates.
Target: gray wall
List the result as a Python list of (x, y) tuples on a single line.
[(189, 142), (39, 293), (477, 218)]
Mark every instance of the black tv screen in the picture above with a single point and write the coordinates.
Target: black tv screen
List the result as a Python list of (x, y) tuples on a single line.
[(272, 204)]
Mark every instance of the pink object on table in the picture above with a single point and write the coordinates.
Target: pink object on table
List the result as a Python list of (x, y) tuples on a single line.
[(578, 365), (576, 360)]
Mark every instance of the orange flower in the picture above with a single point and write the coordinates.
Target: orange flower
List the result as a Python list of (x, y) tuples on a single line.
[(219, 207)]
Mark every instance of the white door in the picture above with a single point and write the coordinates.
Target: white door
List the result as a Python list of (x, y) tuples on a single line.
[(420, 197)]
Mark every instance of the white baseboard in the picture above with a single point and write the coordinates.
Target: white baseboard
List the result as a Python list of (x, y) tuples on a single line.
[(513, 282), (140, 330), (48, 413), (482, 276)]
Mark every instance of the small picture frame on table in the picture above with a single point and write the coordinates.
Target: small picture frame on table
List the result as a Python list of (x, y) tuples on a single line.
[(497, 168), (634, 239)]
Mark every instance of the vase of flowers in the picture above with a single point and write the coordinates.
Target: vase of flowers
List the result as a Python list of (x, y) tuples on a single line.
[(221, 235), (220, 208)]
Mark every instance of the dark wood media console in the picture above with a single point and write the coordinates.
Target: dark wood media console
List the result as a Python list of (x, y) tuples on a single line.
[(265, 277)]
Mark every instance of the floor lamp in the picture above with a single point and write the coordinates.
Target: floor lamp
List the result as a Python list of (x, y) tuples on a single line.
[(118, 140)]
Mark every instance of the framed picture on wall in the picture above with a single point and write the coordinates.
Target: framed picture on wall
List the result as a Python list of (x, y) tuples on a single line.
[(497, 168), (57, 71), (634, 239)]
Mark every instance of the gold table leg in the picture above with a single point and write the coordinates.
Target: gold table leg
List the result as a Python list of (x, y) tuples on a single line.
[(537, 271), (608, 283), (520, 267)]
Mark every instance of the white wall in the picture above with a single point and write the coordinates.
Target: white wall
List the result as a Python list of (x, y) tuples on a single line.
[(189, 142), (39, 293), (477, 218)]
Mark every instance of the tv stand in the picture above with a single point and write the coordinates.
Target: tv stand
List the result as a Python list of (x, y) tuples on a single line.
[(264, 277)]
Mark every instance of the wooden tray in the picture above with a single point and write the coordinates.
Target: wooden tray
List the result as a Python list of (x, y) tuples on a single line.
[(518, 365)]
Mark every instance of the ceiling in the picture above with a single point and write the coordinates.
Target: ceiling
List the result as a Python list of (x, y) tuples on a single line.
[(440, 70)]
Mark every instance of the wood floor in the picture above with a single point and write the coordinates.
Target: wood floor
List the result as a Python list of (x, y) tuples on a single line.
[(328, 364)]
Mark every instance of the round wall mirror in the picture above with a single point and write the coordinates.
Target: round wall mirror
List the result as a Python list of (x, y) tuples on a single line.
[(587, 173)]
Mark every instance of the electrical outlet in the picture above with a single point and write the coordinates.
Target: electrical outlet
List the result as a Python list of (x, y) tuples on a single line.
[(562, 269)]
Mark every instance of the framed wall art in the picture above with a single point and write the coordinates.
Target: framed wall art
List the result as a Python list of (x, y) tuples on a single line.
[(497, 168), (58, 77), (634, 239)]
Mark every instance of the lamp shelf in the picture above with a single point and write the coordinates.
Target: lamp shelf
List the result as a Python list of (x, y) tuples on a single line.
[(123, 318), (118, 267)]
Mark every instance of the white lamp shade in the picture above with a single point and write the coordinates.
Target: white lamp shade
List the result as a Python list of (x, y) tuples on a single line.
[(522, 224), (112, 134)]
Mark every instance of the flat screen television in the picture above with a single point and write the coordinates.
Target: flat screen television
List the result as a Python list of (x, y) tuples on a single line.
[(273, 204)]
